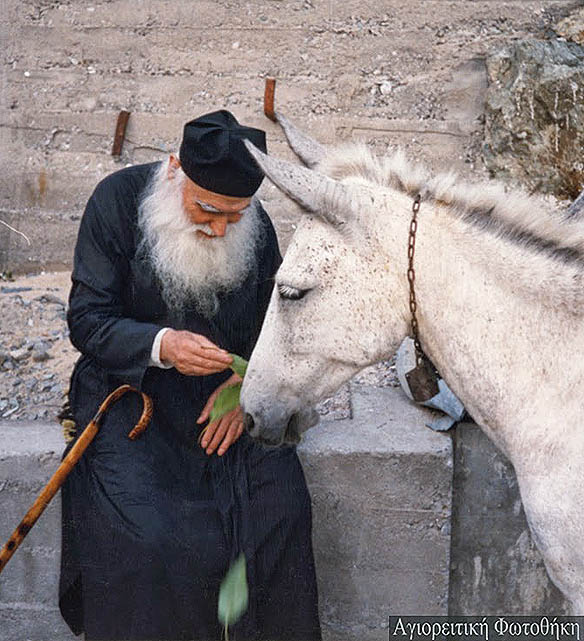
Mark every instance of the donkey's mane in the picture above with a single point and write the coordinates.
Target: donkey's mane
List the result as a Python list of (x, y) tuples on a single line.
[(535, 227)]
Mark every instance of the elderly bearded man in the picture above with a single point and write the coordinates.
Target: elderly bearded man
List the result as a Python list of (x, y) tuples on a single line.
[(173, 269)]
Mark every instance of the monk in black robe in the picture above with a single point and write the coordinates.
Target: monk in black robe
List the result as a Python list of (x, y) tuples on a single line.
[(173, 269)]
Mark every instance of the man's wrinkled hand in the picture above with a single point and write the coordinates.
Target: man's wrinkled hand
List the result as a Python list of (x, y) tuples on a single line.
[(193, 354), (223, 432), (227, 429)]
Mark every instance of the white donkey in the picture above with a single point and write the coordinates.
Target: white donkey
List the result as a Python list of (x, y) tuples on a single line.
[(499, 286)]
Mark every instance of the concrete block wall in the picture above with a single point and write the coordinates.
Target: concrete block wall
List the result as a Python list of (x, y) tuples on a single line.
[(387, 73), (495, 567), (381, 488), (29, 455), (402, 524)]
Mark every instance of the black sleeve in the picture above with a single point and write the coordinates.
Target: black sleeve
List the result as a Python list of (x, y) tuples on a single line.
[(99, 323)]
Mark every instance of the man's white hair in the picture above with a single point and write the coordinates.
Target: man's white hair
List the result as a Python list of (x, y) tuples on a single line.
[(193, 270)]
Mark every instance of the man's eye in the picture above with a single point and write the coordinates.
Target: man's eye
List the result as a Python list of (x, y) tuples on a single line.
[(207, 208), (291, 293)]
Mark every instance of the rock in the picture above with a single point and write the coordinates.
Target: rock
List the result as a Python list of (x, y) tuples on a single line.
[(40, 356), (534, 130), (40, 352), (572, 27), (386, 87), (50, 298), (14, 290), (19, 354), (8, 365)]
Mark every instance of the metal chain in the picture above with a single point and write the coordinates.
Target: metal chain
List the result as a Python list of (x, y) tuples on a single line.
[(412, 276)]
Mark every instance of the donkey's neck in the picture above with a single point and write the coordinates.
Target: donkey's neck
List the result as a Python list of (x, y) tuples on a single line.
[(498, 346)]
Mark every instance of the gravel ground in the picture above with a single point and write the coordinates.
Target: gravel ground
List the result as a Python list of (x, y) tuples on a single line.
[(36, 357)]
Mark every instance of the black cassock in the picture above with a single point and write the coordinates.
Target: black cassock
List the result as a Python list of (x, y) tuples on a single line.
[(151, 526)]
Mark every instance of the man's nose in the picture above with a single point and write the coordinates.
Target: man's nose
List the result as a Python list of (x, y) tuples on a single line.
[(218, 226)]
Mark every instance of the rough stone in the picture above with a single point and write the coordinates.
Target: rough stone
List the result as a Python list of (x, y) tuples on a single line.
[(572, 27), (19, 354), (39, 355), (535, 116)]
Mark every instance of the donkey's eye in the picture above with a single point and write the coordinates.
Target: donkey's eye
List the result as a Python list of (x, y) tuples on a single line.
[(291, 293)]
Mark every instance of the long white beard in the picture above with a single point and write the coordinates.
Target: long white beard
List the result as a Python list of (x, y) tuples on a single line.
[(191, 269)]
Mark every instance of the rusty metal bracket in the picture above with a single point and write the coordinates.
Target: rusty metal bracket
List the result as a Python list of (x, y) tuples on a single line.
[(269, 94), (120, 134)]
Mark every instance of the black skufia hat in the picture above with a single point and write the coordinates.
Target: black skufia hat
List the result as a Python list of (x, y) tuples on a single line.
[(212, 154)]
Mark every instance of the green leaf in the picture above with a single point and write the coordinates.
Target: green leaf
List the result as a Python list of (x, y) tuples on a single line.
[(239, 365), (227, 400), (233, 594)]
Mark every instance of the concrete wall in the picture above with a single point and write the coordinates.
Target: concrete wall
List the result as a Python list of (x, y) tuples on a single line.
[(381, 489), (495, 567), (29, 454), (389, 72), (398, 529)]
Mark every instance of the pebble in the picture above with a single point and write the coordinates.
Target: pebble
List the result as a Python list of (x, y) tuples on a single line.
[(40, 355), (50, 298), (8, 365), (19, 354), (386, 87), (10, 411)]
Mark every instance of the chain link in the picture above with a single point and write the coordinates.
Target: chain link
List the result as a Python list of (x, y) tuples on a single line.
[(412, 276)]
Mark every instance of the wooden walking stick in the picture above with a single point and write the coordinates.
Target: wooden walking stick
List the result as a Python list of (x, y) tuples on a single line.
[(67, 465)]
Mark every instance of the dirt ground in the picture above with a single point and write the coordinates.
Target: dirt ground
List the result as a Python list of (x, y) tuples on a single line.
[(36, 356)]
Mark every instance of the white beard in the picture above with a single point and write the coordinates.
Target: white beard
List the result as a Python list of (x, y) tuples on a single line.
[(193, 270)]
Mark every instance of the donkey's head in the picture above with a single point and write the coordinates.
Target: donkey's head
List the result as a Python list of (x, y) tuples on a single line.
[(339, 301)]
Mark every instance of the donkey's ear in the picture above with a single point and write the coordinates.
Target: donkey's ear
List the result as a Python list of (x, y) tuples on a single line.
[(310, 151), (315, 193)]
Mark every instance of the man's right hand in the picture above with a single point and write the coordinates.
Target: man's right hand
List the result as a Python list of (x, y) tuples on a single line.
[(192, 354)]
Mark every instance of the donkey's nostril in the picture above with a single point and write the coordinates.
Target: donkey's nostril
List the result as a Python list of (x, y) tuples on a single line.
[(248, 423)]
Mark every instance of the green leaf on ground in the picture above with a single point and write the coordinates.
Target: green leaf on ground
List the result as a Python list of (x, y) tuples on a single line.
[(227, 400), (239, 365), (233, 594)]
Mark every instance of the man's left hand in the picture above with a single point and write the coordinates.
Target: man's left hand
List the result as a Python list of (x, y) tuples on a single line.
[(226, 430)]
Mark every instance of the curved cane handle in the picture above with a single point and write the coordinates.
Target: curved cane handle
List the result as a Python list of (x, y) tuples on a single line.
[(114, 397), (67, 465)]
